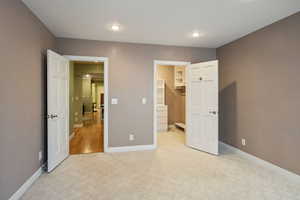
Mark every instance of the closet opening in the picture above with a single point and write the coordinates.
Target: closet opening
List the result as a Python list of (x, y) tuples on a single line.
[(170, 102)]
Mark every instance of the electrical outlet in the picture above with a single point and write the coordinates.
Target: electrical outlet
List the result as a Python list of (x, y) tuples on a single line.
[(40, 155), (244, 142), (131, 137)]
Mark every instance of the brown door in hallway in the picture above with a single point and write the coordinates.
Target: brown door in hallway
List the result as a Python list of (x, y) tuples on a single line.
[(102, 98)]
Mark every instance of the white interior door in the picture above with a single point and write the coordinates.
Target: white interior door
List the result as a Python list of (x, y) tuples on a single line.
[(202, 107), (58, 110)]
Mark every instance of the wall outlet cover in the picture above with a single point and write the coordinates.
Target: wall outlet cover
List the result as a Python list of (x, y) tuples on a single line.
[(244, 142)]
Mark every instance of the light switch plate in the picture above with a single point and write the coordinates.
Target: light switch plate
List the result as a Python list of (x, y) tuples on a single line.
[(244, 142), (40, 155), (131, 137), (114, 101)]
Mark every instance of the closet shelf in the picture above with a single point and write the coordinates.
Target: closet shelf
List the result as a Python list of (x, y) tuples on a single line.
[(180, 125)]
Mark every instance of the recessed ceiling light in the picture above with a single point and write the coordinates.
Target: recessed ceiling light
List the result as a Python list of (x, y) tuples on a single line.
[(115, 27), (196, 34), (87, 75)]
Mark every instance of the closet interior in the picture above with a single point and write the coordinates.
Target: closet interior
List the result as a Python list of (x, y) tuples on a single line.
[(170, 97)]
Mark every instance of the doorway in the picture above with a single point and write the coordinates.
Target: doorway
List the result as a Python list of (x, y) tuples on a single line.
[(193, 88), (86, 107), (88, 104), (58, 105), (169, 101)]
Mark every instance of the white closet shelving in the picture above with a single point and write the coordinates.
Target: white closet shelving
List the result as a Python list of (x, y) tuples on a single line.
[(161, 108), (179, 77), (162, 118), (160, 92)]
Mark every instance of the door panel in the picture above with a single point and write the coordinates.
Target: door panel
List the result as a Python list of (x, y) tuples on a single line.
[(57, 106), (202, 107)]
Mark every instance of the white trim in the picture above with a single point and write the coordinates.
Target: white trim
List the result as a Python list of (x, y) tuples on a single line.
[(261, 162), (19, 193), (167, 62), (106, 107), (106, 90), (72, 135), (68, 108), (161, 62), (131, 148), (86, 58)]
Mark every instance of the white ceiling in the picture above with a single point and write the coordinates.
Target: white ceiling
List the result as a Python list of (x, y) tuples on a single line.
[(168, 22)]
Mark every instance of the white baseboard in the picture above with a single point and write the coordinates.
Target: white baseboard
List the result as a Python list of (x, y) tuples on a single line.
[(18, 194), (261, 162), (130, 148), (78, 125), (71, 136)]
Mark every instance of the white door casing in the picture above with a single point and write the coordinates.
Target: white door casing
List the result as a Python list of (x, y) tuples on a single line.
[(57, 109), (202, 107)]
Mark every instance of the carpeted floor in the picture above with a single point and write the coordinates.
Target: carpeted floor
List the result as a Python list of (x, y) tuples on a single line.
[(173, 171)]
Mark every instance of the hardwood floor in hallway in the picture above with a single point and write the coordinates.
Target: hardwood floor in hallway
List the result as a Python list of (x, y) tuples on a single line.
[(89, 138)]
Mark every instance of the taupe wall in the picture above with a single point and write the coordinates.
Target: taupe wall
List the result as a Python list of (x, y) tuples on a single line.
[(175, 99), (23, 41), (131, 79), (259, 97)]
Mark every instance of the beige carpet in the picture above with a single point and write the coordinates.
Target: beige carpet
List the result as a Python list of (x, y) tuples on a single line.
[(173, 171)]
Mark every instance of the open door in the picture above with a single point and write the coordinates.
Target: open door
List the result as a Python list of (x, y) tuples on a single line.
[(202, 107), (57, 106)]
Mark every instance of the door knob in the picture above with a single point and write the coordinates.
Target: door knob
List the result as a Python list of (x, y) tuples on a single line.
[(52, 116), (213, 112)]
